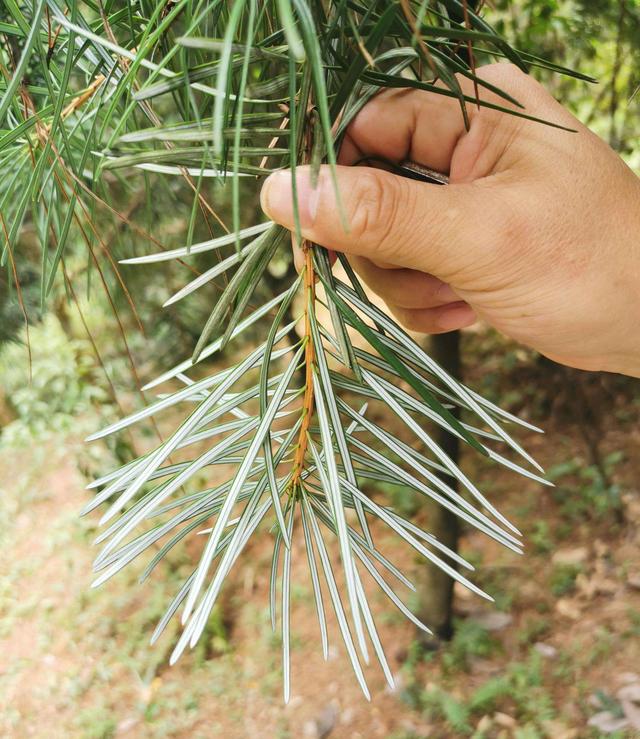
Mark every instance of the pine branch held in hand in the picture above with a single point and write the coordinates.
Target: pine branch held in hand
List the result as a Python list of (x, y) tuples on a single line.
[(234, 95)]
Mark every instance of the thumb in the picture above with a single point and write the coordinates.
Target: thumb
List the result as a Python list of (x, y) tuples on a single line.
[(444, 230)]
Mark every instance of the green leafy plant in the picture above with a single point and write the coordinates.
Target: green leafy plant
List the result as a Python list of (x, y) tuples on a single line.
[(598, 495), (61, 386), (215, 90), (519, 690)]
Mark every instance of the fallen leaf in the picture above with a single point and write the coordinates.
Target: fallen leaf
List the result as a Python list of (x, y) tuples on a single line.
[(607, 722), (546, 650), (461, 592), (559, 730), (631, 507), (628, 677), (324, 724), (568, 609), (503, 719), (607, 586), (633, 581), (601, 549), (530, 591), (586, 585), (629, 697), (493, 620), (630, 692), (631, 713), (484, 724), (572, 556), (126, 725), (596, 585)]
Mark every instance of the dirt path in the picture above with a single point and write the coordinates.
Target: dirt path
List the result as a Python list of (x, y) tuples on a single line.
[(75, 662)]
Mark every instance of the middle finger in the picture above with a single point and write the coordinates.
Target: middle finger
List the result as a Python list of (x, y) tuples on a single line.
[(405, 288)]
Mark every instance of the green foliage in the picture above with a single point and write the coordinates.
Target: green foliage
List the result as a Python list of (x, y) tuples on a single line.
[(601, 34), (541, 538), (596, 494), (60, 385), (438, 703), (96, 725), (533, 630), (563, 578), (517, 691), (470, 641), (606, 703), (634, 618)]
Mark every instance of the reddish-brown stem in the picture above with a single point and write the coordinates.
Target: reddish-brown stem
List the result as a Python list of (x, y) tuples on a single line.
[(309, 359), (472, 60)]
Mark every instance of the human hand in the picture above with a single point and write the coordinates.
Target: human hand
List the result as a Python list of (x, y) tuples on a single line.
[(538, 232)]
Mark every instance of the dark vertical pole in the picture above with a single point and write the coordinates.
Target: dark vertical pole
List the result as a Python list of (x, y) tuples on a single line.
[(435, 588)]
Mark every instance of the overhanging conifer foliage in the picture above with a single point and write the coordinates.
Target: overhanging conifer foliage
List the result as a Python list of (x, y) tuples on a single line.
[(226, 89)]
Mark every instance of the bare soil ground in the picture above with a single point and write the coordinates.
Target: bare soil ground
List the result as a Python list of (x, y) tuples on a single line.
[(560, 647)]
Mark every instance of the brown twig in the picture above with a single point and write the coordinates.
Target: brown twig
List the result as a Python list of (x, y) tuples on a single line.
[(274, 142), (472, 59), (53, 39), (309, 348), (411, 20), (309, 359), (81, 99)]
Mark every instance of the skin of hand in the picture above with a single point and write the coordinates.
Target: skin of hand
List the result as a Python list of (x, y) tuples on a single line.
[(538, 232)]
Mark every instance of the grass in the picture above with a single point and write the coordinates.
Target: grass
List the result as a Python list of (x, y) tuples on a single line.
[(586, 491), (518, 690), (563, 579)]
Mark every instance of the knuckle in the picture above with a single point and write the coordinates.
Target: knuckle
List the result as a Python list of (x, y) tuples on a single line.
[(514, 228), (504, 72), (375, 211), (368, 205), (511, 79), (514, 236)]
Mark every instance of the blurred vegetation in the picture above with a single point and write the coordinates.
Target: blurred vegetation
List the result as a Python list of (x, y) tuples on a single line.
[(62, 385), (598, 37)]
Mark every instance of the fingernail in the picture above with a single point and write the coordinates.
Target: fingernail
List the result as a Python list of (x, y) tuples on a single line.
[(455, 316), (276, 197)]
